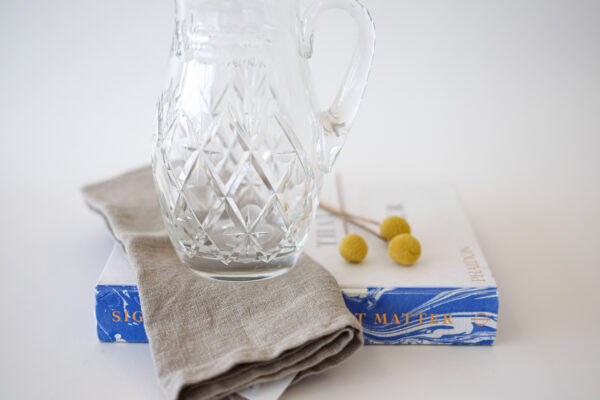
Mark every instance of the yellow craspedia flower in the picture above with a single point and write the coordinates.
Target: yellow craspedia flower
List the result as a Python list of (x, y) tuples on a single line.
[(404, 249), (393, 226), (353, 248)]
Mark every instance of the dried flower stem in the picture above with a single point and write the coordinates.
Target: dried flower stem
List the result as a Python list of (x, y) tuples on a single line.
[(335, 211), (366, 228), (350, 218)]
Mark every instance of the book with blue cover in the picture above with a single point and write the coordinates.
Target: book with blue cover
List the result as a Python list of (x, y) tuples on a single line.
[(448, 296)]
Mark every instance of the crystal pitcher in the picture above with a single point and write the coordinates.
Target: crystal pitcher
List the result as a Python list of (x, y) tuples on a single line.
[(241, 147)]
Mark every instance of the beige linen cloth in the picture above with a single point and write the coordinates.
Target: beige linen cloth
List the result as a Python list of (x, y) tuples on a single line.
[(210, 338)]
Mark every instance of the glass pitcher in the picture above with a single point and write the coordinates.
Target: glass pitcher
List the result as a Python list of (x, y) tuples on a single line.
[(241, 147)]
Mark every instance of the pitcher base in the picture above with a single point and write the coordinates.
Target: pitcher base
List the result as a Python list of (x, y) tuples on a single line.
[(215, 269)]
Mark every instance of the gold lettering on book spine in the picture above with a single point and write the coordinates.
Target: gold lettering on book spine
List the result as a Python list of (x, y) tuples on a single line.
[(378, 319), (136, 316), (359, 317), (433, 319), (473, 267), (447, 319), (382, 318)]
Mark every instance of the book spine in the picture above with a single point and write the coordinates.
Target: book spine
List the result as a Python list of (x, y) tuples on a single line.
[(425, 315), (119, 314), (455, 316)]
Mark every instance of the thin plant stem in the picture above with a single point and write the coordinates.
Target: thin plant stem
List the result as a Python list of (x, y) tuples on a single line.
[(366, 228), (335, 211), (350, 218)]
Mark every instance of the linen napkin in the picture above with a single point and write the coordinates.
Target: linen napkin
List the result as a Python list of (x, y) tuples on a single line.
[(209, 338)]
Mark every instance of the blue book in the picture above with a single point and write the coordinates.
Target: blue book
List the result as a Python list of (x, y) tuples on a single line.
[(448, 296)]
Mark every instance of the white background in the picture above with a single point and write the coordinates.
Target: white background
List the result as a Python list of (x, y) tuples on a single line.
[(501, 98)]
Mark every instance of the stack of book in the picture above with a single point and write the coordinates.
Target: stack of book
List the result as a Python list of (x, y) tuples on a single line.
[(448, 296)]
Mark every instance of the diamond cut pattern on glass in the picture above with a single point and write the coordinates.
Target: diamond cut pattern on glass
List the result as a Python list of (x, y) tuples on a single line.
[(232, 180)]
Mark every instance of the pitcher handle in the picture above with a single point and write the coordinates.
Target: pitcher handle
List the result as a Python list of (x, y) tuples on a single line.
[(338, 118)]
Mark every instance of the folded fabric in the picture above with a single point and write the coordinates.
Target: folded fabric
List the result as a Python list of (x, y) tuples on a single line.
[(209, 338)]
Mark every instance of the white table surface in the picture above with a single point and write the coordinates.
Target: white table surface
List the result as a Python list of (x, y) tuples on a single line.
[(501, 98)]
